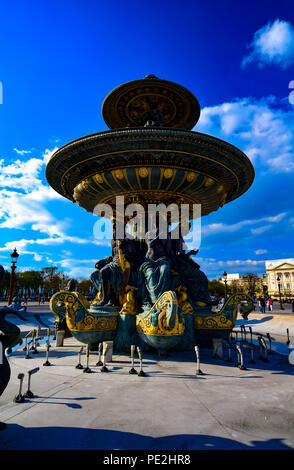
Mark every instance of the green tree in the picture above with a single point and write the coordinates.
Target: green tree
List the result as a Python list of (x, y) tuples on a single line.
[(49, 272), (237, 288), (5, 283), (29, 280), (216, 288), (83, 286), (252, 282)]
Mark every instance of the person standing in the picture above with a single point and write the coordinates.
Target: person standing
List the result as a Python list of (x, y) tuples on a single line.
[(271, 304)]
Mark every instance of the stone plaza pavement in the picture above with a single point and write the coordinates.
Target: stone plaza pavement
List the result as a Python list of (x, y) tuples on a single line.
[(171, 408)]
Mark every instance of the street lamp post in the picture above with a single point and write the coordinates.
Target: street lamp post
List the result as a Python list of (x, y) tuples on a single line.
[(279, 285), (14, 255), (225, 280)]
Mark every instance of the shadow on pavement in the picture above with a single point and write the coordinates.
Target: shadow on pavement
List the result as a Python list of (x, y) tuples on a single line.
[(17, 437), (254, 321)]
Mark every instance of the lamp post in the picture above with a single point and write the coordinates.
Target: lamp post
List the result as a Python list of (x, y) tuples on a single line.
[(14, 255), (225, 280), (279, 285)]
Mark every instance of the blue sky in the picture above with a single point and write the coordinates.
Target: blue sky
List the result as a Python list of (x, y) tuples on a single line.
[(60, 59)]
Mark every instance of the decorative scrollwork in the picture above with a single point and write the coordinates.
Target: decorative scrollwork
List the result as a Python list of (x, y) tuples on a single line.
[(225, 319), (163, 319), (74, 307)]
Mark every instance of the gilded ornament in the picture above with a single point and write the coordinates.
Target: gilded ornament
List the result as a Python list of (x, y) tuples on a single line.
[(168, 173), (143, 172), (208, 182), (191, 176), (118, 174), (157, 322), (130, 306), (98, 179)]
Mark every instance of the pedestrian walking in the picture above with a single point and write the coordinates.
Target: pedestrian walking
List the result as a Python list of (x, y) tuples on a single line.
[(262, 305)]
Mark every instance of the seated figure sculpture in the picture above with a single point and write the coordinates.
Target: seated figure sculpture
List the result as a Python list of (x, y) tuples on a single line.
[(156, 268), (190, 275), (113, 272)]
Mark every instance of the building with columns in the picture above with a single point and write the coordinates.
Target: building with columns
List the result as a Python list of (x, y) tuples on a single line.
[(280, 272)]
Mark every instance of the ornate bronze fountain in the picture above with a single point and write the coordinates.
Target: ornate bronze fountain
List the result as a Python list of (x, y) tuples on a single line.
[(150, 291)]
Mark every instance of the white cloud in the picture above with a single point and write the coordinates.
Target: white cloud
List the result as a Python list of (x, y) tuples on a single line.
[(21, 245), (68, 263), (272, 44), (260, 252), (225, 228), (259, 230), (80, 272), (260, 128), (22, 152), (240, 264), (22, 197)]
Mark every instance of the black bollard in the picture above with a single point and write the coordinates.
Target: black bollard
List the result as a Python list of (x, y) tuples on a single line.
[(263, 343), (99, 363), (104, 368), (27, 356), (141, 372), (241, 331), (79, 365), (245, 337), (250, 329), (48, 346), (240, 363), (87, 369), (37, 338), (260, 357), (29, 393), (26, 341), (198, 370), (261, 354), (34, 345), (132, 370), (251, 349), (19, 398), (270, 344), (288, 340)]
